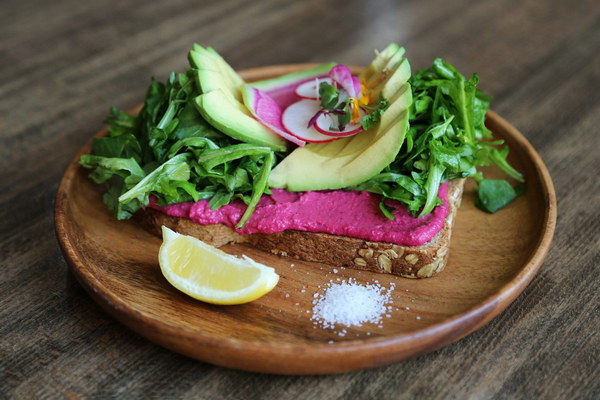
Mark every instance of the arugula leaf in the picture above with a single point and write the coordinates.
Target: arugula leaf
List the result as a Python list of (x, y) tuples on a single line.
[(432, 185), (161, 180), (213, 157), (385, 209), (329, 96), (375, 113), (119, 174), (344, 116), (494, 194), (105, 168), (259, 188)]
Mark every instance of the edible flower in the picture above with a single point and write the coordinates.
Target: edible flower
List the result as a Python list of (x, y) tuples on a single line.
[(357, 93), (346, 97), (341, 75)]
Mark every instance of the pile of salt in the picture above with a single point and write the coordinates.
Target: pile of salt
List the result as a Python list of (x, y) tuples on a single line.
[(351, 304)]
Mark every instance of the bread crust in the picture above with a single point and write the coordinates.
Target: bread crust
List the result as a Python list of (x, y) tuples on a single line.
[(421, 261)]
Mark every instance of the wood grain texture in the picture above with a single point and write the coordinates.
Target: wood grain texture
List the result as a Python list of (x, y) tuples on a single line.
[(65, 62)]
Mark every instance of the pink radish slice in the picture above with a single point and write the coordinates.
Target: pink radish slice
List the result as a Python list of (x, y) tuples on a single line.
[(295, 120), (267, 112), (283, 88), (309, 90), (327, 123)]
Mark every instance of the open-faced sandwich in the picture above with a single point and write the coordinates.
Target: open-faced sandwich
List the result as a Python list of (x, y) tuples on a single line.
[(363, 171)]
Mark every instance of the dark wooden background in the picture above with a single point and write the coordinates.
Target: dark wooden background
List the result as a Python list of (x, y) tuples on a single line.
[(64, 62)]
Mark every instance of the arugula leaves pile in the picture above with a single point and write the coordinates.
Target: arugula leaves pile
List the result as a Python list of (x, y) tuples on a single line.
[(447, 139), (169, 151)]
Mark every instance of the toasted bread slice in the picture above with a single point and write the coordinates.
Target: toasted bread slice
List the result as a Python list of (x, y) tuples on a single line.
[(408, 261)]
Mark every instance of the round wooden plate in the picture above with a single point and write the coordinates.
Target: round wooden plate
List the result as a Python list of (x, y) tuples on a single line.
[(492, 259)]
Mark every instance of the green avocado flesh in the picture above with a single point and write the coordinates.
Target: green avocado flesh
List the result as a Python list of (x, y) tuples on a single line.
[(381, 60), (221, 101), (355, 159)]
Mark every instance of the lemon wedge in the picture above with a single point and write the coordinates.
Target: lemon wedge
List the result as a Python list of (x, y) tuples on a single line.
[(211, 275)]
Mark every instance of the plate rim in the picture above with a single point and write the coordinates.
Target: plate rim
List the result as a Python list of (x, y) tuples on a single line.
[(367, 350)]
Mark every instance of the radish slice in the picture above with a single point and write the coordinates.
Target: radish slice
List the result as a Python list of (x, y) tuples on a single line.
[(267, 112), (327, 123), (309, 90), (295, 120)]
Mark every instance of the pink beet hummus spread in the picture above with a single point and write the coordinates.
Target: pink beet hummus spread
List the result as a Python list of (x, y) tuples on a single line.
[(344, 213)]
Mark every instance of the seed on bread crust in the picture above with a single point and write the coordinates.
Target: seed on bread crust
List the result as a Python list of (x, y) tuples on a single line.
[(360, 262), (439, 265), (391, 253), (441, 252), (366, 253), (412, 258), (384, 263), (426, 271)]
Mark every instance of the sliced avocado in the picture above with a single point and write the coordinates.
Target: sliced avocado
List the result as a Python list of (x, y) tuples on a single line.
[(212, 80), (221, 101), (208, 65), (294, 78), (353, 160), (397, 79), (381, 60), (392, 81), (208, 58), (387, 68), (233, 118), (234, 76)]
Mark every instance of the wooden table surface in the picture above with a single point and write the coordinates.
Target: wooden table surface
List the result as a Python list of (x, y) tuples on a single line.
[(64, 62)]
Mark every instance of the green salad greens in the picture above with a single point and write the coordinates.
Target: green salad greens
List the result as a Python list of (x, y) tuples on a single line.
[(447, 139), (169, 152)]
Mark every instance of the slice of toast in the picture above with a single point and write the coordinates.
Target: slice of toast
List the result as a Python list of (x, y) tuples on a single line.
[(421, 261)]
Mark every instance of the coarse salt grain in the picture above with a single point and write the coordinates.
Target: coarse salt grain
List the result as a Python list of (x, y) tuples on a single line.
[(351, 304)]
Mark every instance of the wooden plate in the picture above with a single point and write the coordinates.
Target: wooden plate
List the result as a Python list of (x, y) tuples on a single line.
[(493, 258)]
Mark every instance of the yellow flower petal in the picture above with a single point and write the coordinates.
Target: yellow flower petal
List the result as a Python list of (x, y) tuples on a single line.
[(355, 110)]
